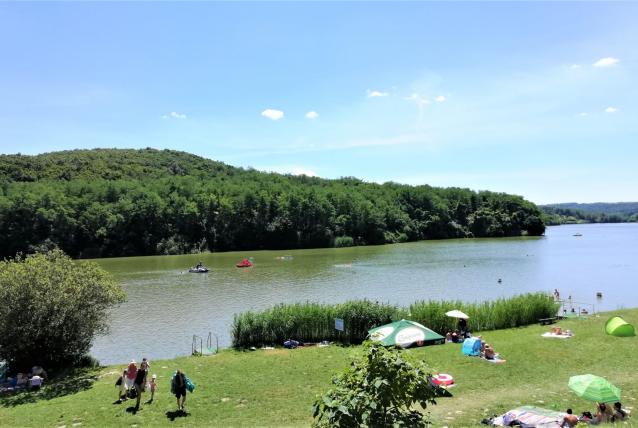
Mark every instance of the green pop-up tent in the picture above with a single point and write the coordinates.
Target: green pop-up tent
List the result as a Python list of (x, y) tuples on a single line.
[(405, 333), (616, 326)]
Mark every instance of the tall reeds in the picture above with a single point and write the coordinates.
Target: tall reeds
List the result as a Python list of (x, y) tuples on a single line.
[(314, 322)]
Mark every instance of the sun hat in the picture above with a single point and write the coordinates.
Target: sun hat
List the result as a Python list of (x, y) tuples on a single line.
[(154, 376)]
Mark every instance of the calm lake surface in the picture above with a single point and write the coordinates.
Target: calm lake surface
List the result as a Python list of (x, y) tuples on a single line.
[(166, 305)]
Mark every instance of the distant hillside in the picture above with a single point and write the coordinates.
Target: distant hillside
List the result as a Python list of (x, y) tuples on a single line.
[(109, 164), (112, 202), (598, 212)]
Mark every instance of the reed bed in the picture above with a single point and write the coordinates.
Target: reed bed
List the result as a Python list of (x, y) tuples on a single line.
[(310, 322), (497, 314), (314, 322)]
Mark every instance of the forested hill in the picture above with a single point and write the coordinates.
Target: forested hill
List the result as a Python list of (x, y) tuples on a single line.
[(112, 202), (598, 212)]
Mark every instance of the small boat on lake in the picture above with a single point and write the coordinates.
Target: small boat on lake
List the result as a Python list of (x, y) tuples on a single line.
[(577, 234), (244, 263), (198, 269)]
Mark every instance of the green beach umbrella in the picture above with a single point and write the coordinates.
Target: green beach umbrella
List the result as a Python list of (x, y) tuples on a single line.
[(594, 388), (404, 333)]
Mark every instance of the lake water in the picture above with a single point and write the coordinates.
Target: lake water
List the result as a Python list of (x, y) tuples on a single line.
[(166, 305)]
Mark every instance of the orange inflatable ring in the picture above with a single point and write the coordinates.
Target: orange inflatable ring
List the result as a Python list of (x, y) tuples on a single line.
[(443, 379)]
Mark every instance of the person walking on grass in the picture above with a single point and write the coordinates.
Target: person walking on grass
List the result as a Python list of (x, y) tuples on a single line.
[(153, 386), (140, 382), (120, 384), (178, 387)]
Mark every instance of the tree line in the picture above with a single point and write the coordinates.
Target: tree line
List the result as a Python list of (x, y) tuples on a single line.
[(111, 202), (560, 214)]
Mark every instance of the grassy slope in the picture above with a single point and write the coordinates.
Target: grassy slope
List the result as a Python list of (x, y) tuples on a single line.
[(276, 388)]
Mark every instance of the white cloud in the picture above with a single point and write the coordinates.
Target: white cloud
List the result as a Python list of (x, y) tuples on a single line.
[(606, 62), (418, 100), (575, 66), (582, 114), (174, 115), (373, 94), (272, 114), (312, 115), (611, 110), (440, 99), (300, 170)]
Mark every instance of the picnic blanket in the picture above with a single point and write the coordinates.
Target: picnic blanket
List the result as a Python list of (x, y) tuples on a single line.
[(530, 416), (496, 360), (557, 336)]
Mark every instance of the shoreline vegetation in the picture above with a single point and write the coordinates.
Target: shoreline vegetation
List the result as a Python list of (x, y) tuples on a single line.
[(314, 322), (276, 388), (119, 202), (600, 212)]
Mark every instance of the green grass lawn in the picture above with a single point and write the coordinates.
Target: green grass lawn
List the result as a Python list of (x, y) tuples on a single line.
[(277, 388)]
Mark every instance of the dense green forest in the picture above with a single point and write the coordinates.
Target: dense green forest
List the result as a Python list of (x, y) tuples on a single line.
[(113, 202), (599, 212)]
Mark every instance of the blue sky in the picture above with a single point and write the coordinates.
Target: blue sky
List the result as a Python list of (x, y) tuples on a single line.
[(532, 98)]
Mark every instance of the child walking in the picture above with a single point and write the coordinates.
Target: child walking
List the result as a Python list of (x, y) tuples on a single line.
[(153, 384)]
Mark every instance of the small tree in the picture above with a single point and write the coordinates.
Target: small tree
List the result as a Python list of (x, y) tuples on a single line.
[(51, 308), (378, 390)]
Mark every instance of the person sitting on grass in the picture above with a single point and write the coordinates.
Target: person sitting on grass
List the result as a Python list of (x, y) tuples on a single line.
[(587, 417), (39, 371), (489, 352), (35, 382), (619, 413), (570, 420), (603, 414)]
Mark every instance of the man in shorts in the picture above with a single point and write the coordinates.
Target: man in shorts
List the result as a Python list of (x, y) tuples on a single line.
[(140, 382), (179, 388)]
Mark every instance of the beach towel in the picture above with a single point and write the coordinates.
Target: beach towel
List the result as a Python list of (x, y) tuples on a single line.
[(557, 336), (530, 416), (497, 359)]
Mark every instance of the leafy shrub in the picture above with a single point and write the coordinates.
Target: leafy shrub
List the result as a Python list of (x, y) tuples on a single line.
[(378, 390), (51, 309), (344, 241)]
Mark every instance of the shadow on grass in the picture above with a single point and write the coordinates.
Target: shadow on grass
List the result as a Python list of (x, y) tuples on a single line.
[(172, 414), (69, 382)]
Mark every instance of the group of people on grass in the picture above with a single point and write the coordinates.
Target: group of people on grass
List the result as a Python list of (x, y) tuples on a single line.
[(459, 334), (31, 381), (134, 381), (605, 413)]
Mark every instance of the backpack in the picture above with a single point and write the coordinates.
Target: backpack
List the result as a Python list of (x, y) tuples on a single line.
[(132, 393), (190, 386)]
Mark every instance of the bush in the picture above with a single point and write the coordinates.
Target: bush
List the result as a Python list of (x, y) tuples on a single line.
[(378, 390), (344, 241), (51, 309)]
